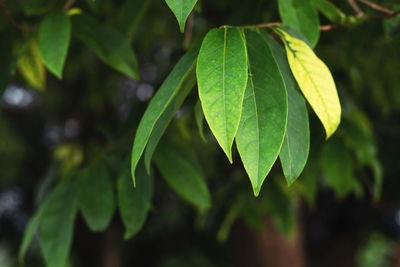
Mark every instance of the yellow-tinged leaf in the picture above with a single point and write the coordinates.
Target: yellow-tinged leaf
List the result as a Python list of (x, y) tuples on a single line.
[(315, 81), (31, 67)]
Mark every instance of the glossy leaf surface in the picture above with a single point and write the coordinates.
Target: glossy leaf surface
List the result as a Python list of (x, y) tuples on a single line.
[(263, 122), (296, 144), (181, 9), (222, 78)]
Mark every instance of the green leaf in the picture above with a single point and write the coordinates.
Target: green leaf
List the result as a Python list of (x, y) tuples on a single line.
[(330, 11), (181, 9), (96, 197), (263, 122), (134, 203), (166, 117), (29, 234), (199, 117), (37, 7), (181, 169), (132, 15), (337, 167), (54, 37), (31, 67), (315, 81), (160, 102), (57, 223), (107, 43), (302, 16), (296, 144), (222, 78)]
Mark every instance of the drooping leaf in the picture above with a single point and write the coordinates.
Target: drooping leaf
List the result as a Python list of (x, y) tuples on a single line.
[(181, 9), (109, 45), (132, 15), (134, 202), (54, 37), (181, 169), (31, 67), (332, 12), (302, 16), (29, 234), (263, 122), (160, 102), (337, 167), (315, 81), (168, 114), (222, 78), (96, 197), (296, 144), (57, 223), (199, 117)]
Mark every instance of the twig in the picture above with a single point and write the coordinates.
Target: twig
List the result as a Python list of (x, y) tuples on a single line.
[(10, 19), (68, 4), (356, 8), (325, 28), (260, 26), (188, 32), (376, 7)]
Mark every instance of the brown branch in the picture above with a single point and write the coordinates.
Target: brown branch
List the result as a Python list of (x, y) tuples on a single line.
[(356, 8), (376, 7), (188, 32), (10, 19), (68, 4)]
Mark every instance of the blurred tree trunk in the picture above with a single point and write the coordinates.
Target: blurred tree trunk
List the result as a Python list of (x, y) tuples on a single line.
[(269, 248)]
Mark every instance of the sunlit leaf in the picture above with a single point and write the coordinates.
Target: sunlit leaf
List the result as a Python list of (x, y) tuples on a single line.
[(96, 197), (315, 81), (181, 9), (31, 67), (54, 36), (158, 105), (222, 78), (263, 122), (134, 202), (302, 16), (107, 43)]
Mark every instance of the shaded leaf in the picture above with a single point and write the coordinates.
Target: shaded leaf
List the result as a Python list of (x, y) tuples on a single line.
[(296, 144), (181, 9), (222, 78), (263, 122), (107, 43), (168, 114), (57, 223), (181, 169), (199, 117), (54, 37), (132, 15), (315, 81), (134, 202), (332, 12), (96, 197), (158, 105), (302, 16)]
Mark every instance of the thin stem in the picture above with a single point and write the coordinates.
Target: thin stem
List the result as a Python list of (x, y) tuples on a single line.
[(68, 4), (10, 19), (356, 8), (376, 7), (263, 25), (188, 32)]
